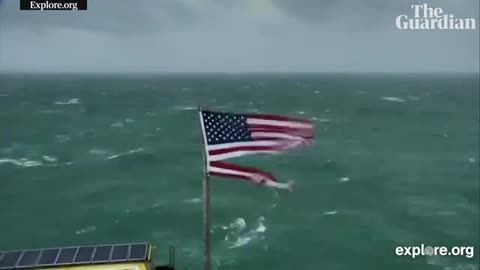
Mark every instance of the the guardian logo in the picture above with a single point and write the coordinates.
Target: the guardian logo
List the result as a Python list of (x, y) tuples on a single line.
[(427, 18)]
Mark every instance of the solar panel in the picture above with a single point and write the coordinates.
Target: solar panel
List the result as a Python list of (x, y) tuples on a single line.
[(120, 253), (10, 259), (66, 255), (138, 252), (84, 254), (102, 254), (48, 257), (73, 255), (29, 258)]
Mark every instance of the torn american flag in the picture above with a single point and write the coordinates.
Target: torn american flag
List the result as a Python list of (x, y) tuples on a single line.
[(229, 135)]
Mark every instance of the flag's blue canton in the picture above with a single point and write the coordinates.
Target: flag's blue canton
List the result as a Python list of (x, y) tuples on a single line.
[(225, 127)]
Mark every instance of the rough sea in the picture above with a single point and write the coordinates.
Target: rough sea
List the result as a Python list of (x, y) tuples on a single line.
[(90, 159)]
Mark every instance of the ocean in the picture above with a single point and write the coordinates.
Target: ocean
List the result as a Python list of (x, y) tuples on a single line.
[(95, 159)]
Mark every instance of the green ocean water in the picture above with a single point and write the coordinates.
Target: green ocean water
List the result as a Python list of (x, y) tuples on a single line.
[(111, 159)]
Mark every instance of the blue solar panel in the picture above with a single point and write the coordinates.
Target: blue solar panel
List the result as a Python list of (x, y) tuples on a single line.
[(102, 254), (66, 255), (84, 254), (138, 252), (10, 259), (120, 253), (49, 256), (29, 258)]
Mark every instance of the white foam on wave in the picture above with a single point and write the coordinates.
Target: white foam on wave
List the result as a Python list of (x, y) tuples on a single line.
[(447, 264), (85, 230), (68, 102), (243, 238), (472, 160), (193, 200), (23, 162), (185, 108), (50, 158), (118, 125), (344, 179), (393, 99), (133, 151), (330, 213)]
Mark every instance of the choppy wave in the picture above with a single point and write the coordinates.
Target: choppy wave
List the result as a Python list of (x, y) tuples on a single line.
[(447, 264), (238, 235), (413, 98), (122, 124), (85, 230), (133, 151), (330, 213), (193, 200), (393, 99), (344, 179), (118, 125), (62, 138), (98, 152), (185, 108), (68, 102), (51, 159), (23, 162), (50, 112)]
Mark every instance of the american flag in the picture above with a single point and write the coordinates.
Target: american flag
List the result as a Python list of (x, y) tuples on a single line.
[(229, 135)]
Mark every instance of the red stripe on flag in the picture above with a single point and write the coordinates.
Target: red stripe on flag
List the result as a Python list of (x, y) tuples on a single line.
[(242, 169), (287, 130), (243, 148)]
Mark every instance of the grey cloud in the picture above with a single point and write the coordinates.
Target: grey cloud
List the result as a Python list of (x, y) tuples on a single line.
[(232, 36)]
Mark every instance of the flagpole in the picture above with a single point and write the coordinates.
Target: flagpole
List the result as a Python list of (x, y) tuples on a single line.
[(206, 203), (206, 221)]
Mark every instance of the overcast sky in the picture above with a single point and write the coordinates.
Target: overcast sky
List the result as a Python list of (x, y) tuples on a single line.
[(234, 36)]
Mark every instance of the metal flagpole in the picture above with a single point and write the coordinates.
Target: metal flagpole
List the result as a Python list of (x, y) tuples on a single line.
[(206, 220), (206, 202)]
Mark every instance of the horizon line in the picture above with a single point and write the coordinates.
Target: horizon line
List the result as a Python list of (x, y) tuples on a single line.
[(239, 73)]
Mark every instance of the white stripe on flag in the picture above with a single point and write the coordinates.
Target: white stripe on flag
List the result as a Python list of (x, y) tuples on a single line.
[(242, 144), (237, 154), (290, 124), (221, 170), (275, 135)]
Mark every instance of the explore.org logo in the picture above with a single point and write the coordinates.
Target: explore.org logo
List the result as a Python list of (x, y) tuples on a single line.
[(428, 18)]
